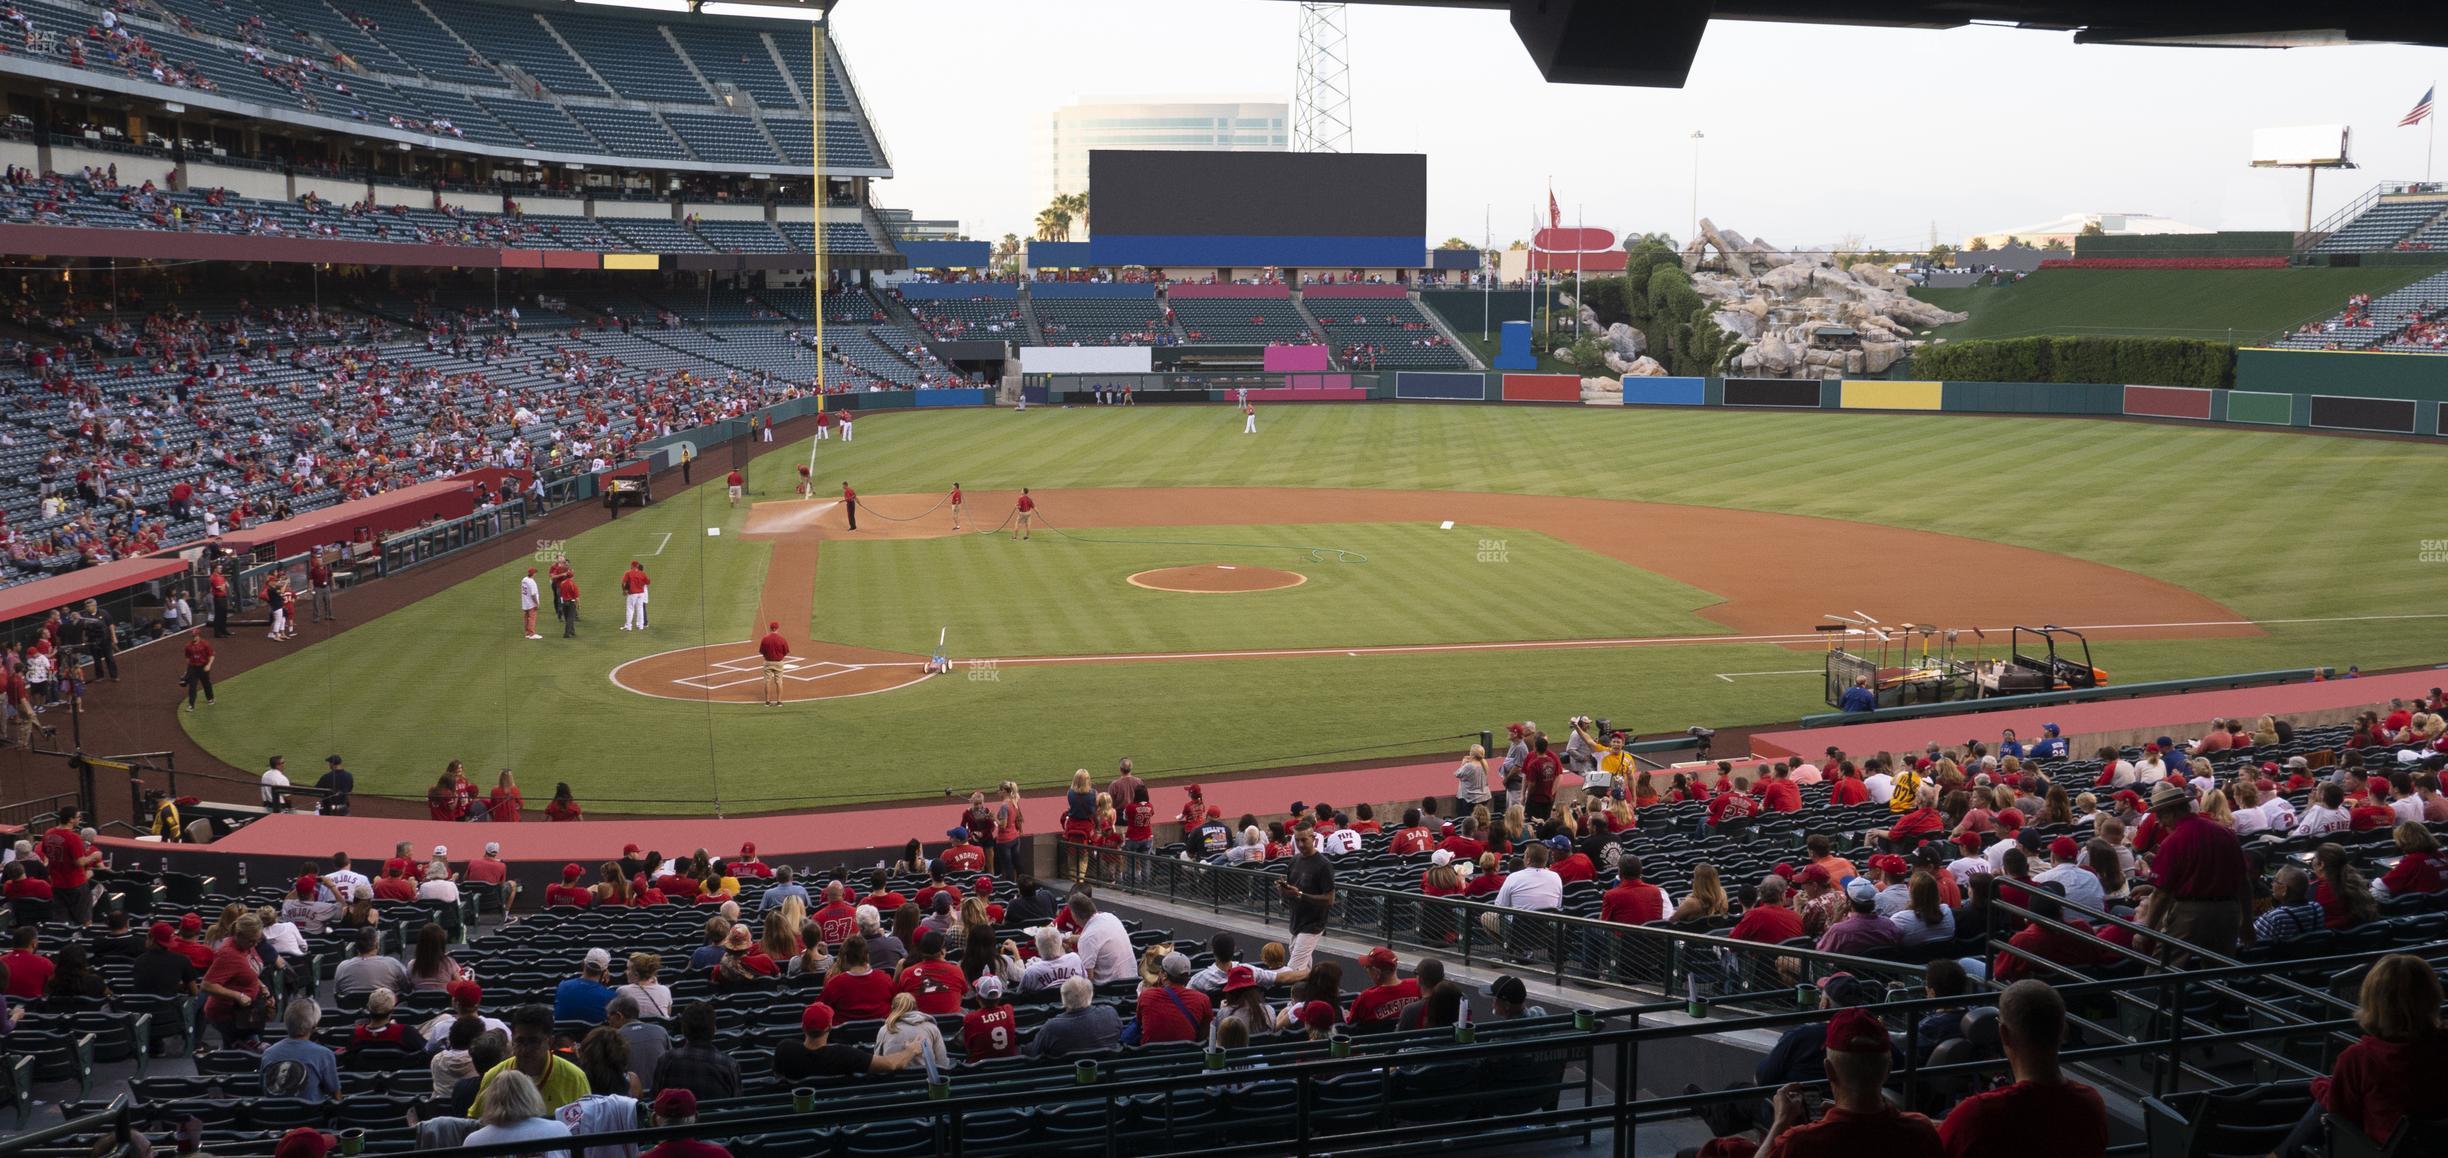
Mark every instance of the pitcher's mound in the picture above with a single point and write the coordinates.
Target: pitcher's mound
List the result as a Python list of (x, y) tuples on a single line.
[(1217, 579)]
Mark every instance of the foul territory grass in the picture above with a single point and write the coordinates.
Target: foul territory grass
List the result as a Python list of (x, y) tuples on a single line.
[(1067, 592), (2279, 526)]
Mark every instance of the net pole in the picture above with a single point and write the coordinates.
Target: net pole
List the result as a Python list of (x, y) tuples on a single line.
[(817, 276)]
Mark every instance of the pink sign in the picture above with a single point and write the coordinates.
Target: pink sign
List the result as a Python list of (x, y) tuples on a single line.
[(1295, 359)]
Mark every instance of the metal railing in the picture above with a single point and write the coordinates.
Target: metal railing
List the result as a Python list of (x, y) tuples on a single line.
[(425, 544), (1694, 967), (24, 813)]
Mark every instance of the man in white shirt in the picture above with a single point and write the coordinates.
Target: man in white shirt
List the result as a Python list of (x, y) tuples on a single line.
[(2329, 815), (274, 779), (1806, 773), (2115, 770), (1052, 966), (528, 598), (2408, 806), (1339, 842), (1971, 863), (345, 881), (2080, 885), (1104, 945), (438, 885), (2151, 770), (1534, 888), (1881, 785)]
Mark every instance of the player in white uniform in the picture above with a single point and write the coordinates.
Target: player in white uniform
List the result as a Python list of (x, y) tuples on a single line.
[(1249, 415)]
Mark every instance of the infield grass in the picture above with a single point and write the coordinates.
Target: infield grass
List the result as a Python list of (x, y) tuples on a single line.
[(2280, 526), (1066, 593)]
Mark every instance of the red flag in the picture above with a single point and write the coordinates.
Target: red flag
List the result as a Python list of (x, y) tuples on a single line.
[(1555, 213)]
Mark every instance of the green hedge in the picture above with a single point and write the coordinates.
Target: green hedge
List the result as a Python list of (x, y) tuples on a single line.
[(2125, 361)]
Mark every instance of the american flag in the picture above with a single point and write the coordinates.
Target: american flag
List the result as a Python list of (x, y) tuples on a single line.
[(2422, 109)]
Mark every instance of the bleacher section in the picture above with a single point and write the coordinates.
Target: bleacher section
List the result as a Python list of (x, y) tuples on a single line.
[(2379, 324), (972, 318), (491, 74), (2389, 220), (1382, 333), (1239, 321), (1129, 316)]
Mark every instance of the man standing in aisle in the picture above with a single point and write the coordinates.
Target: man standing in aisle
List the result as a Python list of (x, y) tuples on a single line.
[(568, 593), (688, 458), (1308, 891), (850, 503), (219, 584), (529, 598), (633, 597)]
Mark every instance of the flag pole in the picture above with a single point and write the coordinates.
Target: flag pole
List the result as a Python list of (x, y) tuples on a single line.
[(1487, 274), (1578, 221)]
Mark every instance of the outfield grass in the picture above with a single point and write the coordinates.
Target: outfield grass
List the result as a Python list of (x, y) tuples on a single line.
[(2277, 525), (1066, 593), (2229, 305)]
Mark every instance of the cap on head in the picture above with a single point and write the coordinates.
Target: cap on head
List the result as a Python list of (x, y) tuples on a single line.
[(815, 1019), (1378, 958), (679, 1102), (1509, 989), (1855, 1030), (990, 987), (465, 992)]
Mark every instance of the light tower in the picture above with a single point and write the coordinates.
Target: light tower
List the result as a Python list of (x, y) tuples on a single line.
[(1321, 94)]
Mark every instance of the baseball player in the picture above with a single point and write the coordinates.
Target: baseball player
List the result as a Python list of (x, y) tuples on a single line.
[(845, 425), (956, 506), (737, 483), (1249, 414), (553, 576), (850, 503), (633, 597), (775, 649), (568, 591), (529, 597), (1024, 508)]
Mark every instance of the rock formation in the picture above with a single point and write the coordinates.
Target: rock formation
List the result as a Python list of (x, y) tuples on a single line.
[(1794, 314)]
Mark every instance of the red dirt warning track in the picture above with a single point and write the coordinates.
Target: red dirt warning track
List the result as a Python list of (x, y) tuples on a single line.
[(1778, 575)]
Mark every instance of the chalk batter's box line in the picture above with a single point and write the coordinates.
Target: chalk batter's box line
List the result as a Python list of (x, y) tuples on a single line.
[(754, 667)]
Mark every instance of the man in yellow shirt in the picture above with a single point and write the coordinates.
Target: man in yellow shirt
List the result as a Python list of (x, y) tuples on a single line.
[(1615, 769), (557, 1078)]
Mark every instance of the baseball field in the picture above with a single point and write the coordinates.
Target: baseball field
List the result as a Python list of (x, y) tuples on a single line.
[(1353, 581)]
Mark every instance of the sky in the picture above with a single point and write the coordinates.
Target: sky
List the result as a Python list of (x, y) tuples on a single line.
[(1813, 133)]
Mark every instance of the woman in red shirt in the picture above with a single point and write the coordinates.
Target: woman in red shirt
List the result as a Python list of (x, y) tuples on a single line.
[(2399, 1065), (235, 1001), (563, 806), (506, 799), (442, 800), (2421, 869), (379, 1028), (1139, 829), (855, 991)]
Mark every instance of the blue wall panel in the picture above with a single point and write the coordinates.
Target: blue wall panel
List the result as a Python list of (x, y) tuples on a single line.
[(940, 254), (1459, 387), (943, 291), (1665, 391), (1090, 289), (961, 396)]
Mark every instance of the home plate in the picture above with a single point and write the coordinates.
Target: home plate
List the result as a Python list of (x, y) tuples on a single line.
[(1447, 525)]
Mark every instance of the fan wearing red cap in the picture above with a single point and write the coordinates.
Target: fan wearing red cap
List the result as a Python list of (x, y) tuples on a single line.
[(749, 864), (305, 1142), (775, 649), (572, 889), (677, 1105), (1859, 1119), (1380, 1006), (992, 1029), (815, 1056)]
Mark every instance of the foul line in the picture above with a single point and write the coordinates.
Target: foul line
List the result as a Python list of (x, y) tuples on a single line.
[(1729, 676), (666, 541)]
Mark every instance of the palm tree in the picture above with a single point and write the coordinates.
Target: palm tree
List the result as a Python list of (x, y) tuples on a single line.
[(1075, 208), (1053, 223)]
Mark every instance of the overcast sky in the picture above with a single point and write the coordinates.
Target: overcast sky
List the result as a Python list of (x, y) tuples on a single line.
[(1814, 133)]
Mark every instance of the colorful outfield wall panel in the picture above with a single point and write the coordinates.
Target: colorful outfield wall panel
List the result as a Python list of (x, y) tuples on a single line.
[(1793, 393), (2168, 402), (1665, 391), (2387, 415), (1440, 386), (2263, 409), (1290, 359), (1856, 394), (1541, 388)]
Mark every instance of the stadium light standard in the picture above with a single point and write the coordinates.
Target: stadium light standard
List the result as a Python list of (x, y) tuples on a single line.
[(1696, 138)]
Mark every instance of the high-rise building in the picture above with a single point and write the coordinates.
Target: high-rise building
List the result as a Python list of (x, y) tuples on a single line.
[(1066, 136)]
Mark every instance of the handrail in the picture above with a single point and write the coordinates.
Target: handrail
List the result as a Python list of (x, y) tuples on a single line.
[(1583, 950), (115, 1115), (2072, 696)]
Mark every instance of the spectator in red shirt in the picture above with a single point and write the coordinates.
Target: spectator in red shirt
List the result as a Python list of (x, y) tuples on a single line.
[(1778, 793), (991, 1030), (1632, 901), (1859, 1119), (568, 591), (1464, 844), (2420, 869), (1575, 866), (836, 920), (563, 805), (506, 800), (2202, 875), (1173, 1011), (70, 860), (1848, 789), (1413, 838), (1770, 921), (2398, 1067), (2042, 1115), (1540, 771), (677, 1106), (2075, 949), (29, 972), (569, 891), (23, 887), (937, 984), (963, 856), (1381, 1005), (1733, 807)]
